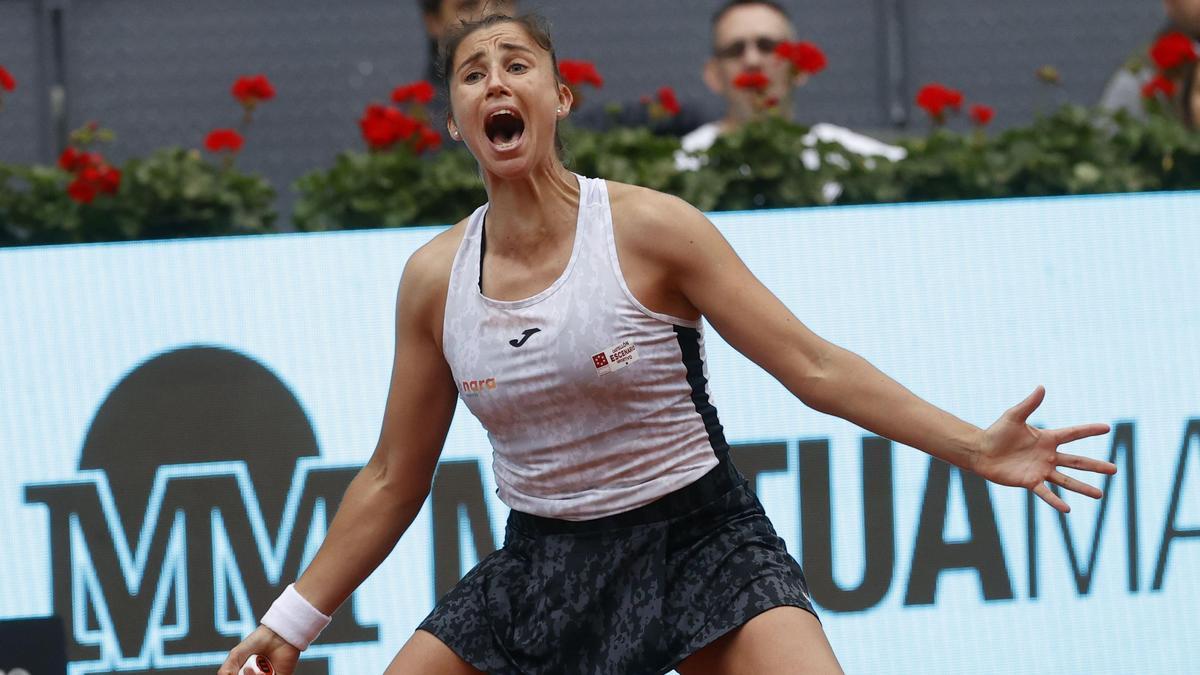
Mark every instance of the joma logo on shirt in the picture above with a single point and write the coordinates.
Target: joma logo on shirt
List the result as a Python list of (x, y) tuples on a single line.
[(478, 386)]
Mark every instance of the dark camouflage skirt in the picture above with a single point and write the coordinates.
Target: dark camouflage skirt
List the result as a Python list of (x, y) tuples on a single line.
[(633, 593)]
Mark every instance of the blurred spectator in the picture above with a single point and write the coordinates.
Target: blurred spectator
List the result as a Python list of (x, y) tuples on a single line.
[(1124, 88), (745, 34), (440, 15)]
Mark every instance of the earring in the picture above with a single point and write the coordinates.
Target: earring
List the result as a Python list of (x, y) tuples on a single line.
[(454, 135), (559, 111)]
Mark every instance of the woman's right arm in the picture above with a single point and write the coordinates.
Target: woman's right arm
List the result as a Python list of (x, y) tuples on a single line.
[(384, 498), (386, 495)]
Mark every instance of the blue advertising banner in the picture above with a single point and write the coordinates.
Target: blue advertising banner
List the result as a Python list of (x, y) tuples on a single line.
[(178, 421)]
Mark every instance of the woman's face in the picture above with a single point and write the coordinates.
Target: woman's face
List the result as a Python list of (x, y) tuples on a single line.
[(505, 100)]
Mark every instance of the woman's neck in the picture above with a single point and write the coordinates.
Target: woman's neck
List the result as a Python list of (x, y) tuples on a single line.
[(531, 212)]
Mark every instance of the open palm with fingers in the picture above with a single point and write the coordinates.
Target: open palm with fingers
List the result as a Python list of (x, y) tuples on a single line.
[(1015, 453)]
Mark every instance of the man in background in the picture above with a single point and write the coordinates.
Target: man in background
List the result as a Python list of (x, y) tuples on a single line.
[(745, 34), (1124, 88)]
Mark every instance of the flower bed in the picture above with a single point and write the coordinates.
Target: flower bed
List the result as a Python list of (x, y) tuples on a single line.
[(403, 176)]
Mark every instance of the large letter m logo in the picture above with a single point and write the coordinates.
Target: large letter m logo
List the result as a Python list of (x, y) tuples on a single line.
[(203, 567)]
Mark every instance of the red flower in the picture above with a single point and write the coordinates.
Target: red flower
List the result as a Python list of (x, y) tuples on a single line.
[(90, 174), (224, 139), (421, 92), (982, 114), (69, 159), (252, 90), (383, 126), (752, 81), (6, 80), (90, 159), (73, 160), (668, 101), (1159, 83), (109, 180), (93, 175), (575, 73), (82, 190), (1173, 50), (805, 57), (934, 98), (427, 139)]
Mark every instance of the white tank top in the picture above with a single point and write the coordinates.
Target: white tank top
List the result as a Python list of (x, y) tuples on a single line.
[(593, 403)]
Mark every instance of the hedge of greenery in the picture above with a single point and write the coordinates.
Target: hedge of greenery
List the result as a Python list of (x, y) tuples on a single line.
[(182, 193)]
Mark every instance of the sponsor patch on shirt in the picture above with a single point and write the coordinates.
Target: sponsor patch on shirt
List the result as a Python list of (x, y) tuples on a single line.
[(615, 357), (477, 387)]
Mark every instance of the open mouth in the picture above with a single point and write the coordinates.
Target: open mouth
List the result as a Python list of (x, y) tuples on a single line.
[(504, 128)]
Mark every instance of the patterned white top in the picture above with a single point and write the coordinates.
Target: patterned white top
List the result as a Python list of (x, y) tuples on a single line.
[(594, 404)]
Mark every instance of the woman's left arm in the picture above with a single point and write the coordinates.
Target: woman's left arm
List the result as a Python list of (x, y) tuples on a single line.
[(708, 273)]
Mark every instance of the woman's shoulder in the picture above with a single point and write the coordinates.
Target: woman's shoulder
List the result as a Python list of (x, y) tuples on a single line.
[(651, 213), (428, 268), (646, 208), (654, 225)]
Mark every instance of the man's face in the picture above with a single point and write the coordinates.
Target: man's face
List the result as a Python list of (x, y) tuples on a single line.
[(453, 11), (1185, 14), (743, 42)]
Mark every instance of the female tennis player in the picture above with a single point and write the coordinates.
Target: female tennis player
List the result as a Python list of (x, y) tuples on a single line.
[(566, 313)]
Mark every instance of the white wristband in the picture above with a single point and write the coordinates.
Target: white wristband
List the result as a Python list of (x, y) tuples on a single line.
[(295, 619)]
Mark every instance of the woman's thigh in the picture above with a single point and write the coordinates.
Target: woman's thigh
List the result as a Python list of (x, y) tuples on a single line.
[(783, 641), (424, 653)]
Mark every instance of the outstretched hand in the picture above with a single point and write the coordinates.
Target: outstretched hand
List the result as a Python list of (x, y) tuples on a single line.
[(1017, 454)]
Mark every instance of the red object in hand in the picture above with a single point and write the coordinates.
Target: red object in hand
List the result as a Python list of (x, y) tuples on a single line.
[(7, 82), (752, 81), (575, 73), (224, 139), (1173, 50), (256, 665)]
